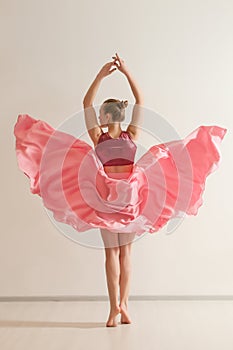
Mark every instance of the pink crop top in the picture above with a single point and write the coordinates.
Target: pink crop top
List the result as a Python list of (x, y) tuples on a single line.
[(116, 151)]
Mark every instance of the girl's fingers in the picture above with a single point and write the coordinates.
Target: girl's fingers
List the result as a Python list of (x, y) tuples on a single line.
[(113, 63), (120, 59), (116, 62), (115, 58), (112, 70)]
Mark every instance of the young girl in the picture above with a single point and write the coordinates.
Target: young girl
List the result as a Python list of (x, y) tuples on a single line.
[(112, 113)]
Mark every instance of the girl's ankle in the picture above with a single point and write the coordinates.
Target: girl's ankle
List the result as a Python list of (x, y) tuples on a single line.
[(124, 304)]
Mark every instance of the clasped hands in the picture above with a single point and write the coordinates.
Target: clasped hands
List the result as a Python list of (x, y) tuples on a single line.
[(117, 63)]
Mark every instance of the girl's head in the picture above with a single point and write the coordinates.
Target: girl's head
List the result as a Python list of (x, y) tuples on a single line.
[(112, 111)]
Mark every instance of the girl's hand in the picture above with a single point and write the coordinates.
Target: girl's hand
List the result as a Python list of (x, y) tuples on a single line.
[(105, 70), (120, 63)]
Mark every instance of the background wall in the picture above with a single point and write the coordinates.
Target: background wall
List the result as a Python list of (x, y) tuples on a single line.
[(181, 54)]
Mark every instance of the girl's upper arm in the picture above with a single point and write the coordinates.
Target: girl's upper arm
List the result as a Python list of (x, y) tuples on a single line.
[(136, 121), (93, 128)]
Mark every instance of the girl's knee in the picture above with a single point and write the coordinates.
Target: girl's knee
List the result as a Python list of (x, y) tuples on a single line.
[(112, 252)]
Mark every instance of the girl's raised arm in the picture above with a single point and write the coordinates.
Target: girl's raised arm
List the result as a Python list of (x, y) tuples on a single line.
[(137, 115), (93, 128)]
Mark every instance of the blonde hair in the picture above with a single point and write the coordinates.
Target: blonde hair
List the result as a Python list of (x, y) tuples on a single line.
[(116, 108)]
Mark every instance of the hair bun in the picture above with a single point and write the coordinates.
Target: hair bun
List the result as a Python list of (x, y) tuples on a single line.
[(124, 104)]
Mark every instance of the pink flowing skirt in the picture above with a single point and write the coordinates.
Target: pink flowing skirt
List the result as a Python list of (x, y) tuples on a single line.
[(166, 182)]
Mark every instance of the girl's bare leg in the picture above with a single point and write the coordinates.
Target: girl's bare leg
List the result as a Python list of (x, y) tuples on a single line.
[(112, 268), (125, 240)]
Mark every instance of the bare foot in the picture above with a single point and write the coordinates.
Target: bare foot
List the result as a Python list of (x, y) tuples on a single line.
[(125, 318), (112, 317)]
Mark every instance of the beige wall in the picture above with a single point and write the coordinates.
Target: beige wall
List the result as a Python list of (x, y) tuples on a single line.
[(181, 54)]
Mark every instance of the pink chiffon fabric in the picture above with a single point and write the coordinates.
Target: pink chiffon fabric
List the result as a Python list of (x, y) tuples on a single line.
[(166, 182)]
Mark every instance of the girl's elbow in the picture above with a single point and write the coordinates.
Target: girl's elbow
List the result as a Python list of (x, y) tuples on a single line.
[(87, 103)]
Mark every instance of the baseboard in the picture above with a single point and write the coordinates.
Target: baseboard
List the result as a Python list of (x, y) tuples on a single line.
[(106, 298)]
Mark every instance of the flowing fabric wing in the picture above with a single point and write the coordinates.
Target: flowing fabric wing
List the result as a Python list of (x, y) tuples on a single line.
[(167, 181)]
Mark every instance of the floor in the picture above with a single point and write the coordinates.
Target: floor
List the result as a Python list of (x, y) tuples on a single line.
[(162, 325)]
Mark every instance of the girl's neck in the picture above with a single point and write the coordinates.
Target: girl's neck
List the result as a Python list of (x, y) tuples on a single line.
[(114, 128)]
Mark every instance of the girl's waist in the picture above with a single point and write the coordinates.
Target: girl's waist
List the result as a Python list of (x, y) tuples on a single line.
[(118, 168)]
